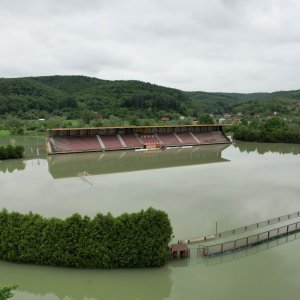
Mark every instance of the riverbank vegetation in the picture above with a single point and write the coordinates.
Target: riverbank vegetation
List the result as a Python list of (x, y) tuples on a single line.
[(6, 292), (273, 130), (130, 240), (10, 152)]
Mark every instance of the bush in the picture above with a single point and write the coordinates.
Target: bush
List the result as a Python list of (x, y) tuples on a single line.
[(130, 240), (11, 152), (6, 293)]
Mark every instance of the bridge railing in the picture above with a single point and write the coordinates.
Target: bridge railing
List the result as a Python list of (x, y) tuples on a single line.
[(243, 229), (248, 241), (258, 225)]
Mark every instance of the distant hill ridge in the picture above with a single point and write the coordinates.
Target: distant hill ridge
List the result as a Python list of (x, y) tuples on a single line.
[(70, 95)]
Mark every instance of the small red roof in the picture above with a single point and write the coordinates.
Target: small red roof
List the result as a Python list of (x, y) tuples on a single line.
[(179, 247)]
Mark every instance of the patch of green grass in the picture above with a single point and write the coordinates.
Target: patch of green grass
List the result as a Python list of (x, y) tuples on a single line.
[(4, 132), (35, 133), (73, 122)]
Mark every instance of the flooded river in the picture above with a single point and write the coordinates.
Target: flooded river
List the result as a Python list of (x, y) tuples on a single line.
[(232, 185)]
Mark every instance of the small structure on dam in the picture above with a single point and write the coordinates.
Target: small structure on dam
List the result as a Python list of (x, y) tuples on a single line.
[(72, 140), (179, 251)]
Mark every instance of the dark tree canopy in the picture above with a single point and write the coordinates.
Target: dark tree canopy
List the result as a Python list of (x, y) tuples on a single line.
[(130, 240)]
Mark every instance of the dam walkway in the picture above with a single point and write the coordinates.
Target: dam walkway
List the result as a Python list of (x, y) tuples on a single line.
[(244, 237)]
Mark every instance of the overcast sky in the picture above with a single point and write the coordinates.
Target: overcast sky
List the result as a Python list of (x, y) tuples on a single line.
[(208, 45)]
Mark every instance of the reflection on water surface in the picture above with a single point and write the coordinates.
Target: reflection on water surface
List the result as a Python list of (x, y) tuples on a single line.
[(235, 185)]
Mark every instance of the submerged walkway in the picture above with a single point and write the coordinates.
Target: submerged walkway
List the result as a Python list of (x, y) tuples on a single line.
[(245, 236), (248, 241)]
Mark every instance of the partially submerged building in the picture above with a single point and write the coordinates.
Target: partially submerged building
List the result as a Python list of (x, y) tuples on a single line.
[(72, 140)]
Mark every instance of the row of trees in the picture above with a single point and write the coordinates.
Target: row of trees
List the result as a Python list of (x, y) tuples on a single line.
[(274, 130), (11, 152), (130, 240), (18, 126)]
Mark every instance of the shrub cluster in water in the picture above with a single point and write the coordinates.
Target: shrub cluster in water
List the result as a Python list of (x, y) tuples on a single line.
[(130, 240), (11, 152)]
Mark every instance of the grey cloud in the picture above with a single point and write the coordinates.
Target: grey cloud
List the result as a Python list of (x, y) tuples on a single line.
[(224, 45)]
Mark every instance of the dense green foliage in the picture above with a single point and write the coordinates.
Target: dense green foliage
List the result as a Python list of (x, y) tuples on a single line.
[(219, 103), (6, 293), (130, 240), (215, 103), (78, 101), (274, 130), (11, 152), (80, 97), (259, 103)]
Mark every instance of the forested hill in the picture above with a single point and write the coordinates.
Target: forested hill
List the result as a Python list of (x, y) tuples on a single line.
[(71, 96), (246, 103)]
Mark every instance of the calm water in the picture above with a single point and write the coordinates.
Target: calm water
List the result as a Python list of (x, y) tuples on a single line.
[(233, 185)]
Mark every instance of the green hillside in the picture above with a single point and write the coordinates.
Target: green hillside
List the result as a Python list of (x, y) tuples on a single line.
[(216, 103), (219, 103), (78, 97), (70, 95)]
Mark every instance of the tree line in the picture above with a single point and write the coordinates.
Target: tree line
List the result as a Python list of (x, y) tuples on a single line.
[(273, 130), (130, 240)]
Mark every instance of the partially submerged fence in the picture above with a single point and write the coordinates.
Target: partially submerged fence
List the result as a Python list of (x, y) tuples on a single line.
[(242, 229), (235, 255), (258, 225), (249, 241)]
